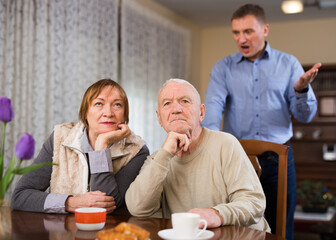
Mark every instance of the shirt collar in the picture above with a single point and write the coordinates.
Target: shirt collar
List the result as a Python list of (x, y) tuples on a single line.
[(266, 54), (84, 142)]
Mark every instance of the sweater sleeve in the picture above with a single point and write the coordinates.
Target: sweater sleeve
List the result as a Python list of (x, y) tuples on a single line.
[(143, 197), (30, 192), (246, 200), (116, 184)]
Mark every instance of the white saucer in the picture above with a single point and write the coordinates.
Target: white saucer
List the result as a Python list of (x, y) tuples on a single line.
[(168, 234)]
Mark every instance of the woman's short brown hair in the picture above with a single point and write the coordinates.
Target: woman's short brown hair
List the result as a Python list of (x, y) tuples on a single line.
[(93, 91)]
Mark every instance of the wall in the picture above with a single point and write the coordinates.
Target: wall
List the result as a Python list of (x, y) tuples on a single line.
[(310, 41)]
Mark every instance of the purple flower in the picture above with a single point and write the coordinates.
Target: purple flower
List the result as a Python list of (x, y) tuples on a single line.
[(25, 147), (6, 110)]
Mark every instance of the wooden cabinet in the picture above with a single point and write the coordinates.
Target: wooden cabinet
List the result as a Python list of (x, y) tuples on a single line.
[(308, 153), (310, 139)]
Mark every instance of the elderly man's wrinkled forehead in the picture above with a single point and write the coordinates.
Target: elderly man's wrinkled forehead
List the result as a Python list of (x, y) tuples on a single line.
[(182, 86)]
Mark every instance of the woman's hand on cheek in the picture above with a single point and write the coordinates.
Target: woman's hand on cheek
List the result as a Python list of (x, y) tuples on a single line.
[(105, 139), (124, 131)]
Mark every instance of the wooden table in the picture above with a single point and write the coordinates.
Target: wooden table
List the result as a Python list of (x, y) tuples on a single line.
[(40, 226)]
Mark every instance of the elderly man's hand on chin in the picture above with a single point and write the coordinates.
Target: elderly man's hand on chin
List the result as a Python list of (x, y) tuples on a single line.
[(211, 215), (176, 143)]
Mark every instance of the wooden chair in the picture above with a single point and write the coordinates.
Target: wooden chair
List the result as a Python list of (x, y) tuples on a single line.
[(253, 148)]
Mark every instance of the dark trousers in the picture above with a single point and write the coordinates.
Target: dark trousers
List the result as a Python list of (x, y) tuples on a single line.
[(269, 181)]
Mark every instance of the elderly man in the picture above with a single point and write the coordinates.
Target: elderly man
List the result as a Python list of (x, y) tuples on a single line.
[(196, 169)]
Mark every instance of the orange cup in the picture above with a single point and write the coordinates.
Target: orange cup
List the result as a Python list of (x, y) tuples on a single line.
[(90, 219)]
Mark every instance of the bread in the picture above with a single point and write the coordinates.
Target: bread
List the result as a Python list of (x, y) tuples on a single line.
[(128, 228), (124, 231), (111, 234)]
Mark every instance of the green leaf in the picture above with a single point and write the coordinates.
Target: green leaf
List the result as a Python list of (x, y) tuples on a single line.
[(9, 181), (8, 177), (1, 164), (31, 168), (9, 170), (2, 190), (2, 149)]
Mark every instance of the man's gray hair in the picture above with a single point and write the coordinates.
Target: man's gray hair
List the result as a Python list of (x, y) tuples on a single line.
[(178, 80)]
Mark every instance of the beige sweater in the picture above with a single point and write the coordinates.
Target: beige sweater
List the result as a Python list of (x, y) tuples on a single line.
[(217, 175)]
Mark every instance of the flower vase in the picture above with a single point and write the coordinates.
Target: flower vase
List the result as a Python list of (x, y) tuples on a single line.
[(5, 219)]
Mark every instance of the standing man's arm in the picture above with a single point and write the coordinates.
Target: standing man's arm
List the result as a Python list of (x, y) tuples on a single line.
[(303, 104), (215, 98), (307, 78)]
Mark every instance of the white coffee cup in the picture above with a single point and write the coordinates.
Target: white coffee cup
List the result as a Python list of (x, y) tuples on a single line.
[(186, 225)]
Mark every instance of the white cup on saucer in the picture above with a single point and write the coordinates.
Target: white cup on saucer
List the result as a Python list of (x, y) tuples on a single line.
[(186, 225)]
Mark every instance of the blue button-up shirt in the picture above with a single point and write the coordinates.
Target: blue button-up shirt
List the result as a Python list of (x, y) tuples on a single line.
[(257, 98)]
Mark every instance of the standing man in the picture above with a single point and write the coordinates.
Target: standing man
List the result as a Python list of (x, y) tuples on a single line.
[(259, 89)]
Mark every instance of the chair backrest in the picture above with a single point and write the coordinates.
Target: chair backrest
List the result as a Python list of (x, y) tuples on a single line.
[(253, 148)]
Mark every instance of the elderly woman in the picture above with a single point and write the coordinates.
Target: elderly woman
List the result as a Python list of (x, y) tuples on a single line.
[(97, 158)]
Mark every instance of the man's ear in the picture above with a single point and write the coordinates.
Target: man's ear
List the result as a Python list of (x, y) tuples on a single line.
[(266, 30), (158, 116), (202, 112)]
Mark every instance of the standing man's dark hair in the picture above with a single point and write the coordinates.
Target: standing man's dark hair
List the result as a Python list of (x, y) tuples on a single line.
[(250, 9), (259, 90)]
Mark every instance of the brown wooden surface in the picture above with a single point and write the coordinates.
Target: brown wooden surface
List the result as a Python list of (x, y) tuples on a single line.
[(256, 164), (40, 226), (256, 148)]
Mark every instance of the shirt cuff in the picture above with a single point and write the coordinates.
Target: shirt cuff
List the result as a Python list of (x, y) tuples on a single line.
[(302, 90), (302, 96), (100, 161), (55, 203)]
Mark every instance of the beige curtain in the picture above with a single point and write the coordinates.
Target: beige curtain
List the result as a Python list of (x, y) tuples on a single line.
[(154, 49), (50, 52)]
